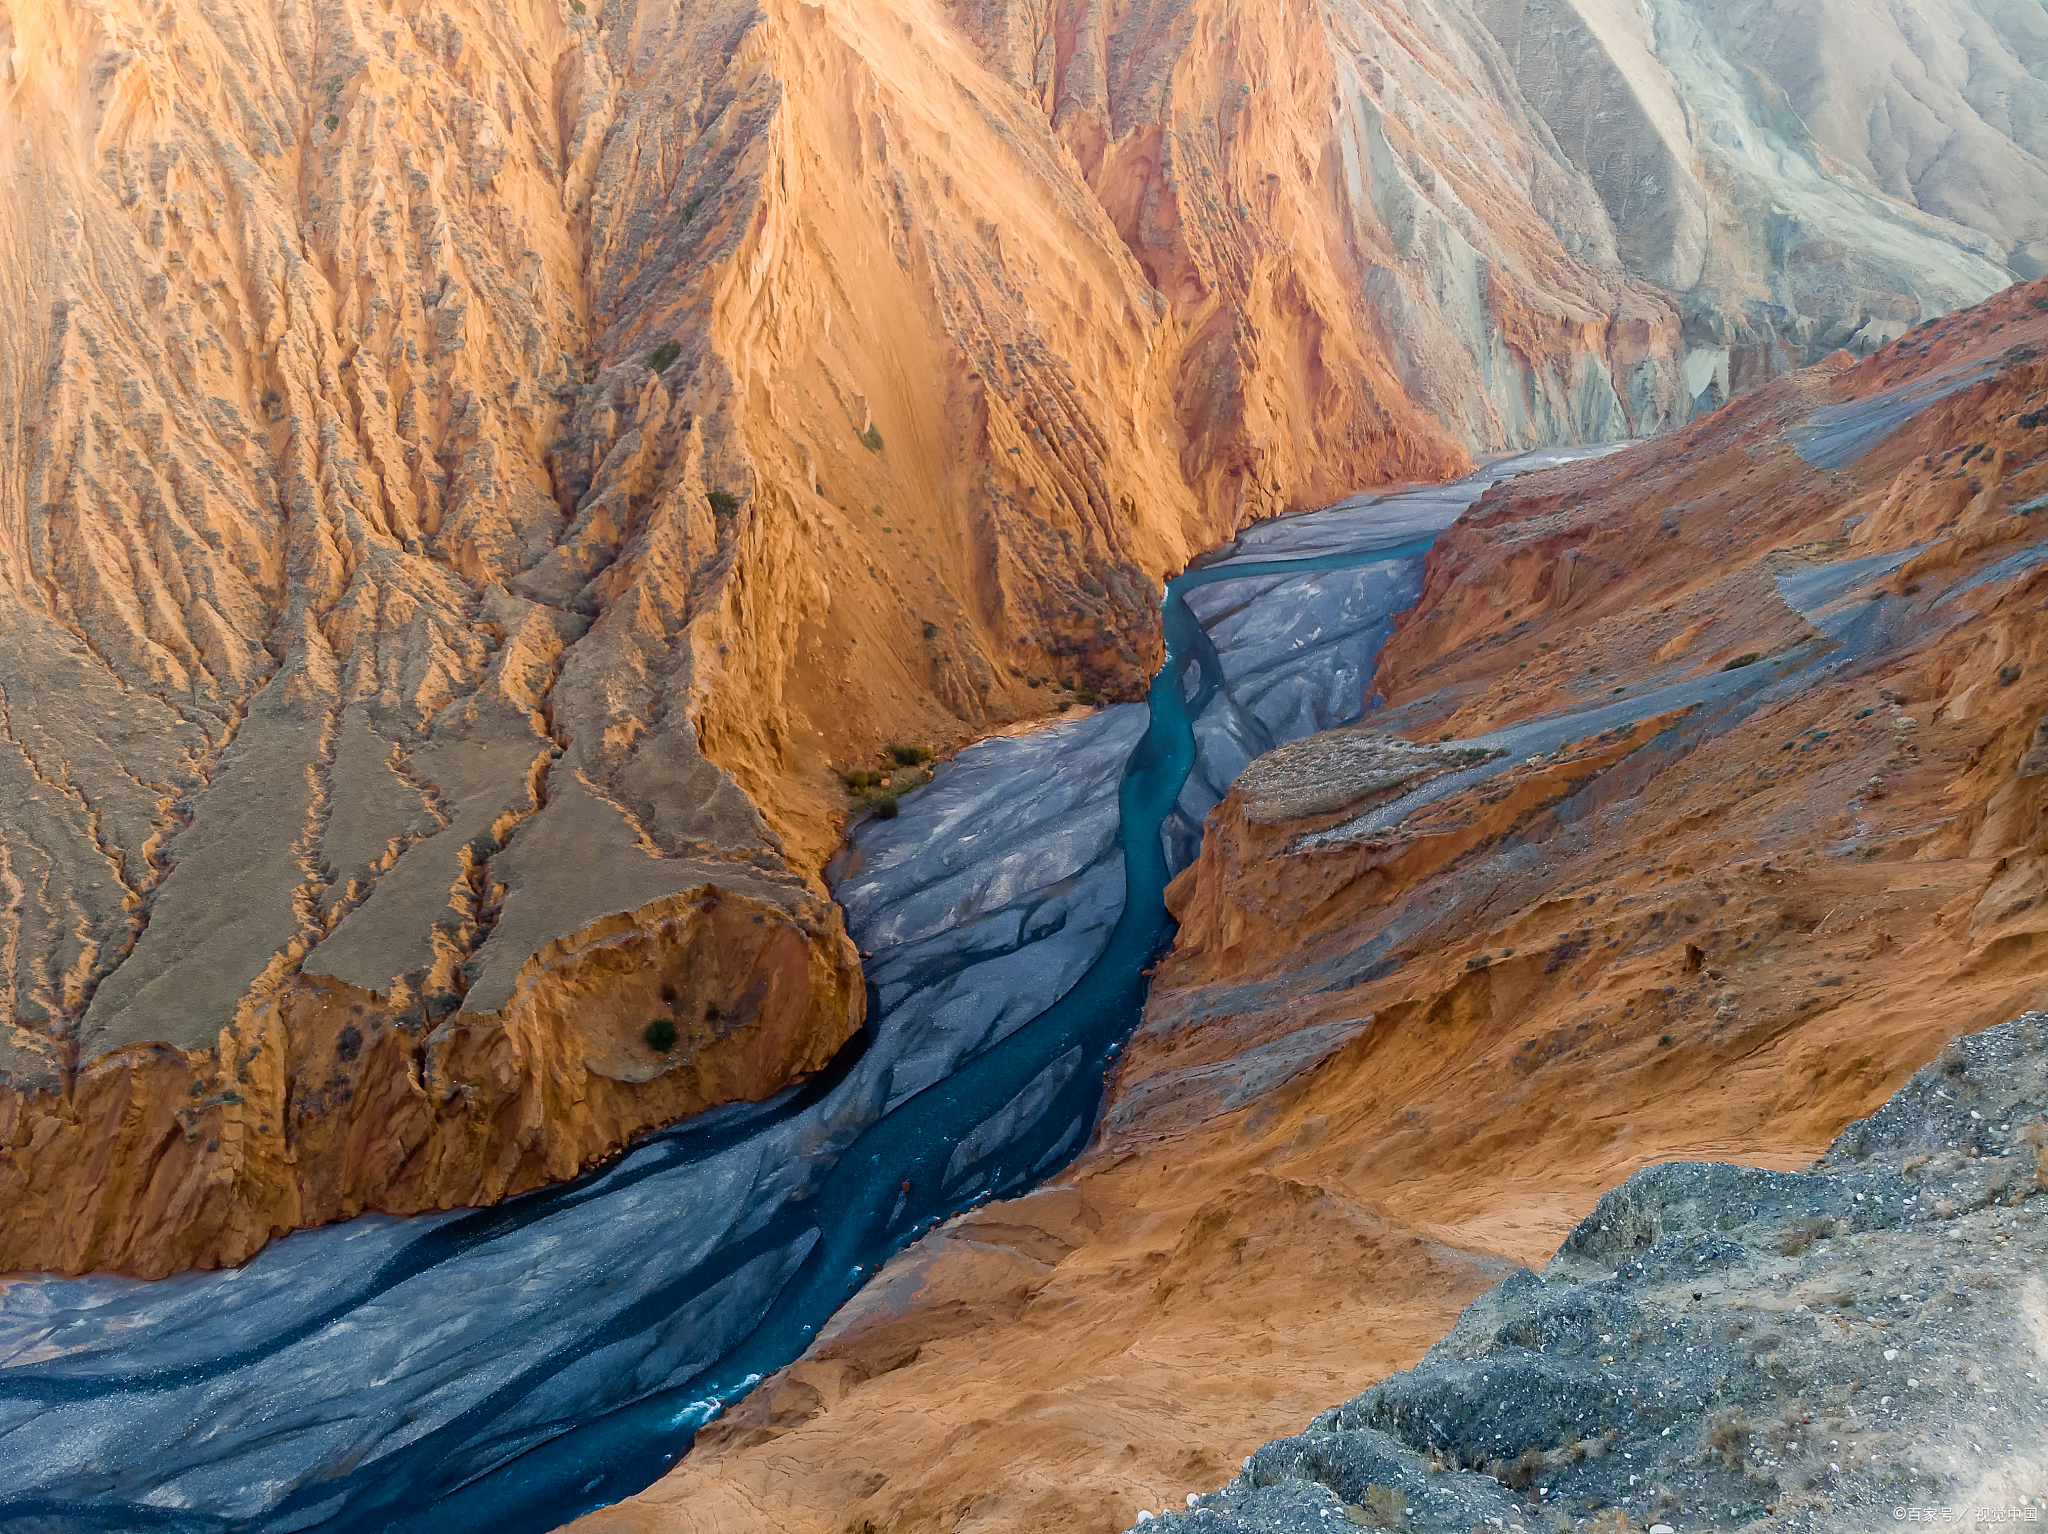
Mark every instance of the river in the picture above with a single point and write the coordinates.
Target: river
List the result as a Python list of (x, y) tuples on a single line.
[(506, 1369)]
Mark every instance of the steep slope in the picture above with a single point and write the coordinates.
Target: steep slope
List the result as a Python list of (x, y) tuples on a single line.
[(1733, 821), (468, 475), (1732, 1348)]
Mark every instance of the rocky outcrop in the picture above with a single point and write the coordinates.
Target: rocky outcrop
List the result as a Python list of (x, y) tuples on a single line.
[(322, 1102), (1733, 825), (1731, 1348)]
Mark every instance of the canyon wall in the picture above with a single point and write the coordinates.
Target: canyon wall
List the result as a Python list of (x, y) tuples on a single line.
[(468, 475), (1731, 818)]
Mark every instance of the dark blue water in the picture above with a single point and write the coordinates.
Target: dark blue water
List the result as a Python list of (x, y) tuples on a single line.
[(469, 1473)]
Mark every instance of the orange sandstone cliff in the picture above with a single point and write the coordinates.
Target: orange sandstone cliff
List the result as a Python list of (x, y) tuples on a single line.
[(469, 474), (1390, 1058)]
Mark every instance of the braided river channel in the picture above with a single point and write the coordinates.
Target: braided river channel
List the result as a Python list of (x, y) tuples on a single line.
[(507, 1369)]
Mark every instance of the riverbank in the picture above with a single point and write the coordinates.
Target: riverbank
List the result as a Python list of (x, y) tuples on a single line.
[(505, 1368), (1407, 1040)]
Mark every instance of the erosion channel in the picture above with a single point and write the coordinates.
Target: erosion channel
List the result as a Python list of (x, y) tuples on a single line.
[(506, 1369)]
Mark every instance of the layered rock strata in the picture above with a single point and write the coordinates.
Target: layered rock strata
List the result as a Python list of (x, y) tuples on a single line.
[(440, 437), (1743, 826), (599, 1317)]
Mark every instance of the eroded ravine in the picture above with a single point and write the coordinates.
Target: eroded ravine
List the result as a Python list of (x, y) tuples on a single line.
[(512, 1366)]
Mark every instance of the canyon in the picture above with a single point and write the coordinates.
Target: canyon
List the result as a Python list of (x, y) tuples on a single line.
[(504, 1368), (1720, 815), (484, 492), (475, 477)]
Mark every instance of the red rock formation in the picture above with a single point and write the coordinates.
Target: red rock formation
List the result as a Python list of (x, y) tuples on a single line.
[(469, 473), (1656, 942)]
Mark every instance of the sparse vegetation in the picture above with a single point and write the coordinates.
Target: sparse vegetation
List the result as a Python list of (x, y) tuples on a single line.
[(879, 791), (660, 1035), (333, 122), (690, 208), (723, 503), (1803, 1234), (663, 355), (871, 439), (1729, 1438), (931, 630), (1384, 1508), (1747, 658)]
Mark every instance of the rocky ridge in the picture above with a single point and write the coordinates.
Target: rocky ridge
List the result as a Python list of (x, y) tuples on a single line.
[(1723, 1347)]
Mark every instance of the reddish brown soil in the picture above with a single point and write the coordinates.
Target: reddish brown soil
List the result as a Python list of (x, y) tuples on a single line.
[(1725, 948)]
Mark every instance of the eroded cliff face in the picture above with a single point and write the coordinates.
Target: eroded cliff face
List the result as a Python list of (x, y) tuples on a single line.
[(1427, 1004), (467, 475)]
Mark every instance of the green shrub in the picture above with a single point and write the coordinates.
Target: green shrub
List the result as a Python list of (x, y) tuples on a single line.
[(871, 439), (1383, 1508), (1086, 697), (885, 809), (931, 631), (333, 122), (663, 355), (661, 1035), (908, 756), (578, 6), (860, 779), (1749, 659), (723, 503), (690, 208)]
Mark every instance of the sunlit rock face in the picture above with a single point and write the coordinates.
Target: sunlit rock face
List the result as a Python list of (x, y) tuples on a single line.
[(1706, 806), (1808, 175), (468, 475)]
